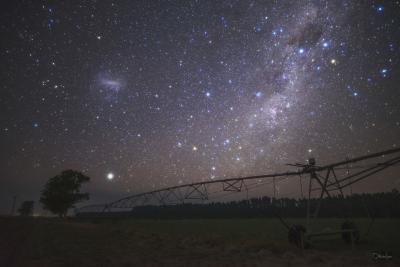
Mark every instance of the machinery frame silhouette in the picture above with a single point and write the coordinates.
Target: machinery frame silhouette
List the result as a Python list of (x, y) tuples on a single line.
[(323, 180)]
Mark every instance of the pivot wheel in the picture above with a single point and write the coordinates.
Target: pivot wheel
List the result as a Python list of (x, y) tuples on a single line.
[(296, 235), (352, 234)]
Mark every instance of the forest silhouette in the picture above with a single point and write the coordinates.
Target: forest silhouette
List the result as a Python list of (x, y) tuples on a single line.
[(372, 205)]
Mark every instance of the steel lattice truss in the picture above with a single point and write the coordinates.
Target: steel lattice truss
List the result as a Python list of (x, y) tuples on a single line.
[(322, 180)]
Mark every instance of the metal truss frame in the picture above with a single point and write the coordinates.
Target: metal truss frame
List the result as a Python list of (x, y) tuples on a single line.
[(323, 179)]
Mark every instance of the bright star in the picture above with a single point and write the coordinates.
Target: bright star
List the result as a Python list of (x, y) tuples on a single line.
[(110, 176)]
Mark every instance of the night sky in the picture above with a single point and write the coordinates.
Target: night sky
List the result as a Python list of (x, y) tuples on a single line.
[(146, 94)]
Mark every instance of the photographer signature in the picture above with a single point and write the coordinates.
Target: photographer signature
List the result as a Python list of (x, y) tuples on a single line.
[(381, 255)]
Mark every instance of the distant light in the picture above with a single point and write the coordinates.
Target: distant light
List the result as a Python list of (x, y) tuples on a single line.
[(36, 125), (309, 150), (110, 176), (208, 94), (380, 8), (98, 37), (258, 94), (333, 61), (355, 94), (325, 44), (301, 50), (194, 148)]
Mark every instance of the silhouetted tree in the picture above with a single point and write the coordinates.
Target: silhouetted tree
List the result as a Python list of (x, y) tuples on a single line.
[(26, 208), (61, 192)]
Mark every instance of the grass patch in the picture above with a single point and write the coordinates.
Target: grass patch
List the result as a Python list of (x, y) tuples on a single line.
[(130, 242)]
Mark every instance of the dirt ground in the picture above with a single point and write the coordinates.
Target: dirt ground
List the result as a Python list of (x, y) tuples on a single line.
[(251, 242)]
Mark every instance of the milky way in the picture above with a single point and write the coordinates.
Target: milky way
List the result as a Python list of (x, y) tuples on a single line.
[(159, 93)]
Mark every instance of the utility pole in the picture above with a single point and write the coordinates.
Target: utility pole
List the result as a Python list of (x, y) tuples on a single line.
[(273, 180), (13, 205)]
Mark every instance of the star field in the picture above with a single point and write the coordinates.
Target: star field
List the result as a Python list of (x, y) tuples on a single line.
[(147, 94)]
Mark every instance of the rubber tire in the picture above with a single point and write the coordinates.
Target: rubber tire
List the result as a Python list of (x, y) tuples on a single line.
[(295, 235), (349, 225)]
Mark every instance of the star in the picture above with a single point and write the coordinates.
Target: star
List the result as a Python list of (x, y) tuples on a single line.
[(182, 93), (383, 72), (110, 176)]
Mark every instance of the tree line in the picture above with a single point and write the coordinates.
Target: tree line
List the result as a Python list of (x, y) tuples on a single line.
[(374, 205), (59, 194)]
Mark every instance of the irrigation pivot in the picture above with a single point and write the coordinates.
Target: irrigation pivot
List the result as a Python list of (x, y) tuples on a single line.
[(322, 180)]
